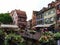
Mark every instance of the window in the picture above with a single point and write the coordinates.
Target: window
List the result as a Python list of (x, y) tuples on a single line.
[(39, 16), (46, 21), (49, 12), (49, 6), (59, 18), (46, 14), (58, 6), (49, 20), (53, 11), (52, 19), (39, 22)]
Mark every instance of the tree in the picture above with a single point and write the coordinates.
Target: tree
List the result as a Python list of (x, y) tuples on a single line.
[(5, 18)]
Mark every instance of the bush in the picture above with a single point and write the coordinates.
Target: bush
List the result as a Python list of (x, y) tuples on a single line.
[(57, 36), (13, 38), (46, 37)]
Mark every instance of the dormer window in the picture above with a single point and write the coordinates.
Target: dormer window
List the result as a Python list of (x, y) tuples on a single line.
[(49, 5)]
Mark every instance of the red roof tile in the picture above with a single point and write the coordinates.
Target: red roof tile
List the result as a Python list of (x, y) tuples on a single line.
[(19, 12)]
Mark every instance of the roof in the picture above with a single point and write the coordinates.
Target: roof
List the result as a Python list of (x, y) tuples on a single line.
[(19, 12), (52, 4), (8, 26), (35, 12)]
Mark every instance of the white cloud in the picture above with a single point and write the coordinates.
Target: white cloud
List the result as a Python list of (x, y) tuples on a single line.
[(25, 5)]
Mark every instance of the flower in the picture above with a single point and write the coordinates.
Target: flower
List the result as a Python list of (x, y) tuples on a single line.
[(46, 37)]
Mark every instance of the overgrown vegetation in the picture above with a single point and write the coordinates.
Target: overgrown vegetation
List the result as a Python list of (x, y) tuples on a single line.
[(10, 39), (5, 18), (49, 38)]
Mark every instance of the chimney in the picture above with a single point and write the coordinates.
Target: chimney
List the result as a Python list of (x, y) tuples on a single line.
[(49, 5)]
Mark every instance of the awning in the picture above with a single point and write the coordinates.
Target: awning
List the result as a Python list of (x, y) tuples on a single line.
[(45, 25), (8, 26)]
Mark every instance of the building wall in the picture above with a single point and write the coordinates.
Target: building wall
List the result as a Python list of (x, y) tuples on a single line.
[(34, 19), (19, 18), (29, 24), (58, 10), (58, 14), (39, 19), (15, 18), (50, 16), (22, 22)]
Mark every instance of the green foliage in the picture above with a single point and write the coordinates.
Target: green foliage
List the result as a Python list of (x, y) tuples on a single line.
[(46, 37), (48, 33), (2, 33), (32, 31), (57, 35), (14, 38), (49, 37), (5, 18)]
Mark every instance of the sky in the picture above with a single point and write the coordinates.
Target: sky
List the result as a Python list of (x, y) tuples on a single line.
[(25, 5)]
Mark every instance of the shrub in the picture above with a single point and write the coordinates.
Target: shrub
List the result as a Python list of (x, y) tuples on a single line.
[(57, 36), (46, 37)]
